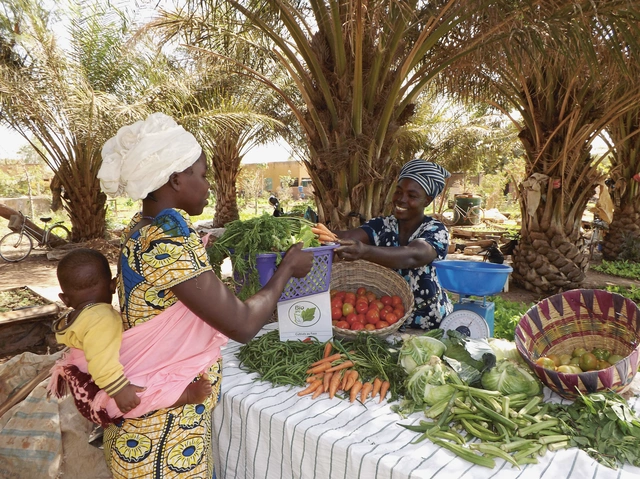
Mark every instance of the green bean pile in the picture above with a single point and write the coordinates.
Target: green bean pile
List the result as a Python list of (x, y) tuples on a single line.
[(282, 363)]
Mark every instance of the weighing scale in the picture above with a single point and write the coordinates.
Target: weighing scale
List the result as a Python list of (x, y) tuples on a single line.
[(471, 317)]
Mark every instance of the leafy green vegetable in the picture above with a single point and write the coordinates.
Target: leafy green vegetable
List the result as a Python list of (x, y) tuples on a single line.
[(505, 349), (431, 382), (506, 316), (604, 426), (468, 357), (510, 377), (242, 241), (418, 350)]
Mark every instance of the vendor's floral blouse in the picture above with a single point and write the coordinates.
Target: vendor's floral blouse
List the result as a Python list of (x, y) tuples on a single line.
[(431, 302)]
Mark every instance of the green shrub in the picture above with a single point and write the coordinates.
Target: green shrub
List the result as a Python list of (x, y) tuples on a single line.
[(620, 268)]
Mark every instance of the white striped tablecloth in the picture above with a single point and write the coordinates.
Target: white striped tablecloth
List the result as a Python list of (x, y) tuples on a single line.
[(262, 431)]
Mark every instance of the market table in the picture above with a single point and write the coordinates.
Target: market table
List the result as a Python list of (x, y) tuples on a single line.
[(262, 431)]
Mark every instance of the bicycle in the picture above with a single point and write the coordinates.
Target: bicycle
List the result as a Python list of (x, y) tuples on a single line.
[(454, 214), (16, 246)]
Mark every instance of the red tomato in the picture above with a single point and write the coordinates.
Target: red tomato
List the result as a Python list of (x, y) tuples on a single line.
[(383, 313), (357, 326), (347, 308), (336, 302), (399, 311), (369, 327), (349, 298), (391, 318), (340, 294), (342, 325), (381, 324), (350, 318), (362, 307), (372, 316), (334, 322), (336, 313), (361, 291), (361, 318), (379, 304), (371, 296), (396, 300), (385, 299)]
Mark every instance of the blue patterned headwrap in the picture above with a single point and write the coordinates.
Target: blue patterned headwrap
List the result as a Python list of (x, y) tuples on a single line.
[(428, 175)]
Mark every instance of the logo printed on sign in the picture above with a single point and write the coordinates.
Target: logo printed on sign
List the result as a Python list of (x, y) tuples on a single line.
[(304, 313)]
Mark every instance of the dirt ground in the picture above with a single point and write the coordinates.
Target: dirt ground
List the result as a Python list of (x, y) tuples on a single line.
[(39, 274)]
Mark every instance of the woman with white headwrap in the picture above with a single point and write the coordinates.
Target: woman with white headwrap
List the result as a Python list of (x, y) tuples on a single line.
[(408, 241), (164, 265)]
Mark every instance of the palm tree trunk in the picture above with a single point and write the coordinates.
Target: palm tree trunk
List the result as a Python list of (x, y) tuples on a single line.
[(625, 224), (226, 204), (85, 203), (551, 256)]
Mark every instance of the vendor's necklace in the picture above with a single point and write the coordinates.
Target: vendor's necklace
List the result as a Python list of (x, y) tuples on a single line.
[(150, 218)]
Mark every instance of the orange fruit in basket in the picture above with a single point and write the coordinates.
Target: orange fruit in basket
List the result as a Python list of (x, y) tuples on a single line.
[(391, 318), (381, 324), (369, 327)]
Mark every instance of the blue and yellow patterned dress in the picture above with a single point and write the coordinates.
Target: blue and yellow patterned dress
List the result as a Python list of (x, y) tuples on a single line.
[(176, 442)]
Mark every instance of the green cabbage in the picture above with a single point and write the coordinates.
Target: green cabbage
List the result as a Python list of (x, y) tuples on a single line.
[(431, 382), (510, 377), (417, 350), (505, 349)]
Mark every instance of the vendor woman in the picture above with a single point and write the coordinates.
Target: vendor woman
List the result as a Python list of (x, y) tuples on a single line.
[(408, 241)]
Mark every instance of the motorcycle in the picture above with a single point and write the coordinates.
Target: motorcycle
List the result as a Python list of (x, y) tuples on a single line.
[(308, 214)]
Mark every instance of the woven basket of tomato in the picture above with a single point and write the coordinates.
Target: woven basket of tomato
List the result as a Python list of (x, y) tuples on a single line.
[(366, 297)]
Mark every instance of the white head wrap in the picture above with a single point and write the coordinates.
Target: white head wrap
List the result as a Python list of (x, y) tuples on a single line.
[(430, 176), (142, 157)]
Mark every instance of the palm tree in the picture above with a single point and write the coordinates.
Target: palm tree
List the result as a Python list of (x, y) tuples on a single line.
[(358, 69), (252, 114), (624, 229), (551, 72), (624, 135)]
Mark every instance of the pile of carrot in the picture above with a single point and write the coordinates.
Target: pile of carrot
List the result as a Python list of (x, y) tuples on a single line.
[(336, 372), (325, 235)]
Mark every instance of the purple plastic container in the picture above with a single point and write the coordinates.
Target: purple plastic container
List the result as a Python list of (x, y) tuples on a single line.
[(317, 281)]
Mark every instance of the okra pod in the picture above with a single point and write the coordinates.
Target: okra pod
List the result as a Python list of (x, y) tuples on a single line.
[(558, 445), (530, 405), (479, 432), (495, 451), (537, 427), (529, 451), (518, 444), (494, 416), (466, 454), (552, 439), (448, 435)]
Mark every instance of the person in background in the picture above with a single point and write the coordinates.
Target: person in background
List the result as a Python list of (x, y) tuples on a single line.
[(408, 241), (164, 265), (93, 331)]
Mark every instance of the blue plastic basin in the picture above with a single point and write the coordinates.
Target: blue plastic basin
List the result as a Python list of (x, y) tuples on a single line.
[(472, 278)]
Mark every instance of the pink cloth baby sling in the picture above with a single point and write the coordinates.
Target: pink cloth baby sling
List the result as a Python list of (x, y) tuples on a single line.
[(163, 354)]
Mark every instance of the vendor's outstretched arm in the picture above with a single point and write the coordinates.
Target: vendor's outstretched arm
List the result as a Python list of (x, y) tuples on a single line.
[(215, 303), (416, 254)]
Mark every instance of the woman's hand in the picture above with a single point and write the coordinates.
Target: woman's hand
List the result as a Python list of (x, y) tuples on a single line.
[(350, 249), (299, 261)]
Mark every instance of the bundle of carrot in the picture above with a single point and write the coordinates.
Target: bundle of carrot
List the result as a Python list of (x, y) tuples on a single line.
[(337, 372), (325, 235)]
